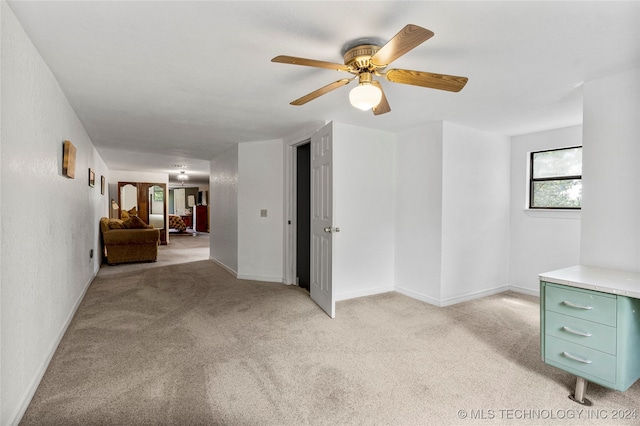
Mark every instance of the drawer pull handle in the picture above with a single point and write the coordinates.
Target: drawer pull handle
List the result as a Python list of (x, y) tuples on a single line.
[(577, 358), (579, 333), (573, 305)]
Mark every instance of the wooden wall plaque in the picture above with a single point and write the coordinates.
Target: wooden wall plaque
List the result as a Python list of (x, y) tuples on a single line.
[(69, 160)]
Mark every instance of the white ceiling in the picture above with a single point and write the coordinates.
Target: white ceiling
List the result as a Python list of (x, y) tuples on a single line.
[(184, 81)]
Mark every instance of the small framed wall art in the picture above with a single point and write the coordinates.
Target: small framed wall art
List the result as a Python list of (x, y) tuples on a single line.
[(102, 184), (69, 160), (92, 178)]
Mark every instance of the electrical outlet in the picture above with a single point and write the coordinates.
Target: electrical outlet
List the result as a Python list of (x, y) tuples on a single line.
[(263, 213)]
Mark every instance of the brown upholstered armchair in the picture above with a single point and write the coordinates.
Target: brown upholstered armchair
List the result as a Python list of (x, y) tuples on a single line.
[(129, 245)]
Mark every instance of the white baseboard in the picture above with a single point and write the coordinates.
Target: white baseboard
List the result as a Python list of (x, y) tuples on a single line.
[(418, 296), (223, 266), (475, 295), (524, 290), (15, 418), (363, 293), (278, 280), (451, 300)]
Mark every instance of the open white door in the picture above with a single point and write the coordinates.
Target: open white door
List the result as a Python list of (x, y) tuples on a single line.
[(321, 219)]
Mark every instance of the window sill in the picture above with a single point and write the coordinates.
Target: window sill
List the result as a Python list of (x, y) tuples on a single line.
[(554, 213)]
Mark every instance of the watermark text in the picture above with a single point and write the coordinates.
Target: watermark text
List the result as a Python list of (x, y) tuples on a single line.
[(548, 414)]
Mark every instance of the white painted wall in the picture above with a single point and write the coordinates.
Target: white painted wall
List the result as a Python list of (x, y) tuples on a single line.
[(452, 209), (135, 176), (611, 172), (260, 186), (475, 213), (546, 240), (49, 222), (363, 197), (418, 202), (223, 209)]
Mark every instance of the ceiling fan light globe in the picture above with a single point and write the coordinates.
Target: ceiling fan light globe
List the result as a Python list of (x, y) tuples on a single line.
[(365, 96)]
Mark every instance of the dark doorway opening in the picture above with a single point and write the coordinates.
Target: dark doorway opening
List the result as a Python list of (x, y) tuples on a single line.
[(303, 215)]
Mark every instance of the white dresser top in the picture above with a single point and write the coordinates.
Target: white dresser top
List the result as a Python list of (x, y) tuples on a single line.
[(611, 281)]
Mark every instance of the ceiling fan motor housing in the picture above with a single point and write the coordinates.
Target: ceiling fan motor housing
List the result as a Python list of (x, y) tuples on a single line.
[(360, 57)]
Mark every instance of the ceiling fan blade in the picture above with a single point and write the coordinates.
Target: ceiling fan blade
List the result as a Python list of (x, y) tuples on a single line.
[(383, 107), (321, 91), (451, 83), (408, 38), (310, 63)]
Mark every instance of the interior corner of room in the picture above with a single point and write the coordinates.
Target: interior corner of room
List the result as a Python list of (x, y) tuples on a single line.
[(433, 210)]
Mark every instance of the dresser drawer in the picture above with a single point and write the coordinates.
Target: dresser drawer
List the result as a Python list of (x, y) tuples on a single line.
[(584, 304), (568, 354), (586, 333)]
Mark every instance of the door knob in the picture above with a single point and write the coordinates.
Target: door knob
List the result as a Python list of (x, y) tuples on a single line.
[(327, 229)]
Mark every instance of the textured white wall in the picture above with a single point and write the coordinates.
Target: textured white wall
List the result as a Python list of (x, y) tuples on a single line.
[(475, 213), (418, 203), (363, 197), (260, 186), (134, 176), (223, 210), (452, 226), (49, 222), (611, 172), (540, 241)]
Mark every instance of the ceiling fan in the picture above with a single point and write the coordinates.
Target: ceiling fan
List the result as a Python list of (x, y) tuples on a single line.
[(366, 60)]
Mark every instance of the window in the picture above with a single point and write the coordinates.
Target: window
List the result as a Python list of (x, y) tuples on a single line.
[(556, 179), (158, 193)]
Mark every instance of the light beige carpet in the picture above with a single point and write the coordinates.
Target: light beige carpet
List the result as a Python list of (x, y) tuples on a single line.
[(187, 344)]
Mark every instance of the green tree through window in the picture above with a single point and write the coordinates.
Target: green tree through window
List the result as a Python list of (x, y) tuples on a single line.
[(556, 179)]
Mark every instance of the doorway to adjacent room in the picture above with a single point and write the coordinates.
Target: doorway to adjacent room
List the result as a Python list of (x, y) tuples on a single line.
[(303, 215)]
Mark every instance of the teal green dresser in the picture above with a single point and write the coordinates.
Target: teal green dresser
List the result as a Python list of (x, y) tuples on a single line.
[(590, 326)]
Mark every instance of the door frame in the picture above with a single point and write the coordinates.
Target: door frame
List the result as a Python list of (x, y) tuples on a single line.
[(290, 236)]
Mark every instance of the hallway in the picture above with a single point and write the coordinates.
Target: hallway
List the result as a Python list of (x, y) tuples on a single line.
[(181, 249)]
